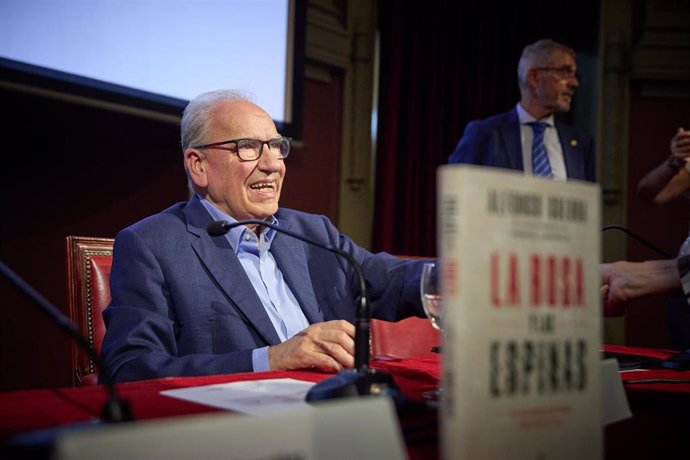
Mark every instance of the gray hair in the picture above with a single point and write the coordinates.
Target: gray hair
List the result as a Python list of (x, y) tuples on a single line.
[(537, 54), (196, 118)]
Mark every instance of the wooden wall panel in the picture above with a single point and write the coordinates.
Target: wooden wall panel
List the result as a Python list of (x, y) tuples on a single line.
[(68, 169), (311, 181), (653, 121)]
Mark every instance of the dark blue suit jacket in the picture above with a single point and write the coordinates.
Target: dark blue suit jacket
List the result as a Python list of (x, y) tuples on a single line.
[(495, 142), (183, 305)]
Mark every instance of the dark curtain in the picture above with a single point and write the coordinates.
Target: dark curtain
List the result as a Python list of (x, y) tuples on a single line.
[(444, 63)]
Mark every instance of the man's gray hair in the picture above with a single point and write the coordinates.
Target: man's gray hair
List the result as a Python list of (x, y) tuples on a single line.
[(537, 54), (196, 118)]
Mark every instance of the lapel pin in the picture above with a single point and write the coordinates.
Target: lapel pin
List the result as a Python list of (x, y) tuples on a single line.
[(573, 143)]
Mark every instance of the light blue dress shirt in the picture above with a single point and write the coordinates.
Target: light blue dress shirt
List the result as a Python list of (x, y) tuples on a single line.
[(278, 300)]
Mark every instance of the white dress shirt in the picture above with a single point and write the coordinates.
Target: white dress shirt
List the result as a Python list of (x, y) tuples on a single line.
[(551, 142)]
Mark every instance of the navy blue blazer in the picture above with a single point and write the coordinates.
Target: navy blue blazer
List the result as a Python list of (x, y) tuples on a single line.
[(495, 141), (182, 304)]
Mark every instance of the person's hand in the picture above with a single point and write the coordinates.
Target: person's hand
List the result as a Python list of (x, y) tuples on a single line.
[(328, 346), (613, 290), (623, 282), (680, 145)]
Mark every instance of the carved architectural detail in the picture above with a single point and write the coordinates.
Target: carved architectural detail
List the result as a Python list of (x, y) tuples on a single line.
[(343, 40), (328, 40), (662, 51), (612, 146)]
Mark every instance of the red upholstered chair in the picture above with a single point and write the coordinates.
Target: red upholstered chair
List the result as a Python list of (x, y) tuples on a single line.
[(88, 262), (403, 339)]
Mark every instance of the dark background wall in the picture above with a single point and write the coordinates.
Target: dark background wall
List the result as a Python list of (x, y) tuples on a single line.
[(654, 120), (68, 170)]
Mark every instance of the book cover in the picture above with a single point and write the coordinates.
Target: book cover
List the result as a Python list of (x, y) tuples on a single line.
[(521, 321)]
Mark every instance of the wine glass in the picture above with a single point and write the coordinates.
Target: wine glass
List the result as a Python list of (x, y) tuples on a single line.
[(430, 291)]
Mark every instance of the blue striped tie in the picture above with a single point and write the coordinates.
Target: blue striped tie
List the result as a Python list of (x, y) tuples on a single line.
[(540, 160)]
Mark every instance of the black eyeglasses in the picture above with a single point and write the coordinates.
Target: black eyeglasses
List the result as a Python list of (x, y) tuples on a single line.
[(251, 149), (565, 73)]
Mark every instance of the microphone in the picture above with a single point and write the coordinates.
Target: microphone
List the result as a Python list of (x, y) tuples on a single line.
[(362, 380), (115, 409)]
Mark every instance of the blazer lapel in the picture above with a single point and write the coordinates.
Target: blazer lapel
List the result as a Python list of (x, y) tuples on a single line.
[(510, 133), (224, 266), (570, 142), (292, 261)]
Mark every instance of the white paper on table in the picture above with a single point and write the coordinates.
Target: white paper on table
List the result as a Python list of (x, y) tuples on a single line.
[(254, 397), (614, 401)]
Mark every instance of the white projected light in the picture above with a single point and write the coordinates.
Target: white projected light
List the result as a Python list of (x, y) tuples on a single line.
[(174, 48)]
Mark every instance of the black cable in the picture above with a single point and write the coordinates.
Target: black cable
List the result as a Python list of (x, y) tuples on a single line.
[(74, 402), (115, 409), (651, 246)]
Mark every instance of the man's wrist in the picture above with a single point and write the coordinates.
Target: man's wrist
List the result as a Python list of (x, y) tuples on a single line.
[(674, 163)]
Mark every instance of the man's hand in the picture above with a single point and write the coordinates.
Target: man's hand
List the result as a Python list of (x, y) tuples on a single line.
[(623, 282), (613, 290), (327, 346), (680, 145)]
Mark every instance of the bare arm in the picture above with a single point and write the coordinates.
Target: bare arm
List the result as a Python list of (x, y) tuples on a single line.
[(671, 178), (625, 281)]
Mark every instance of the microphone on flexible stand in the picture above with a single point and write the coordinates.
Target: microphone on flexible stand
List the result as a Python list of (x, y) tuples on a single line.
[(362, 380), (115, 409)]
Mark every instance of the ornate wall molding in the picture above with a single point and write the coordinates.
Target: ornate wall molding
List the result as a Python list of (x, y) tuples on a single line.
[(661, 55), (341, 38)]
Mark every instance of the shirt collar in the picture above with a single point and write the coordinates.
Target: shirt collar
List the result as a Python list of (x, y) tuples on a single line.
[(235, 235), (526, 118)]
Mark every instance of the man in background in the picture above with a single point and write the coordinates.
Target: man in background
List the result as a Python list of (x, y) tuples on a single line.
[(528, 138)]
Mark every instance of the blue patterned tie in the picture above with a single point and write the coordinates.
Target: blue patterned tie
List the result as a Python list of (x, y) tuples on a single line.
[(540, 160)]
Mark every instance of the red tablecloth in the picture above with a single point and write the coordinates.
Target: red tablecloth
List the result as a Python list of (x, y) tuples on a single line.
[(25, 411), (646, 380), (659, 409)]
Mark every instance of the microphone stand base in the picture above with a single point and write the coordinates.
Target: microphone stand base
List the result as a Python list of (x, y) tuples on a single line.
[(116, 410), (350, 383)]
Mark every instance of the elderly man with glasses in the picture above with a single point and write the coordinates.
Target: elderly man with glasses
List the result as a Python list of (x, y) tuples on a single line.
[(528, 138), (186, 303)]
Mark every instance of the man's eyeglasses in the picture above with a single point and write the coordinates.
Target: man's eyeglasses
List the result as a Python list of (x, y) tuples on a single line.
[(565, 73), (251, 149)]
